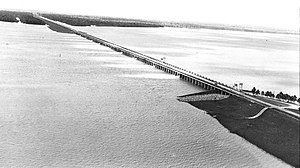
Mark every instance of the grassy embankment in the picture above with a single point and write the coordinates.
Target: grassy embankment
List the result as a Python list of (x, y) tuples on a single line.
[(279, 103), (274, 132)]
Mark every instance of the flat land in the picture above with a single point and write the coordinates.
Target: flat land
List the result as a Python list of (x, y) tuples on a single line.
[(272, 101), (82, 20), (75, 20), (278, 103), (273, 131)]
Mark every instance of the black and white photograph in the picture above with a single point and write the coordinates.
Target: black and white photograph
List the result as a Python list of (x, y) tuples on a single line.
[(149, 84)]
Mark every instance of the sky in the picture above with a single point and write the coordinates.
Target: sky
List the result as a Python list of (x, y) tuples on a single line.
[(283, 14)]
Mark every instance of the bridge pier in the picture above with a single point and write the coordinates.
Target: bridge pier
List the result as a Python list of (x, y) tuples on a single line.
[(206, 87), (188, 76)]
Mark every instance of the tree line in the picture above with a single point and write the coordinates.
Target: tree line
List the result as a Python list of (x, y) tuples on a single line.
[(76, 20), (280, 95)]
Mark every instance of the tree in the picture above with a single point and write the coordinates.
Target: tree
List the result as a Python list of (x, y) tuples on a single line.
[(298, 100), (268, 93), (257, 91), (286, 96), (280, 95), (262, 93), (272, 95), (293, 98), (253, 90)]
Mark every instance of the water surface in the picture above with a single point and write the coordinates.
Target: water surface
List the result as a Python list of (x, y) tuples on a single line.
[(267, 61), (68, 102)]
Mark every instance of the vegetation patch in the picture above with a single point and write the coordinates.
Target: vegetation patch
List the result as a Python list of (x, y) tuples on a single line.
[(25, 17), (81, 20), (273, 131), (75, 20)]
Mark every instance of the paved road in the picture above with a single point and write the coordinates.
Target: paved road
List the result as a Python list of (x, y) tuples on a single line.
[(179, 70), (290, 113), (258, 114)]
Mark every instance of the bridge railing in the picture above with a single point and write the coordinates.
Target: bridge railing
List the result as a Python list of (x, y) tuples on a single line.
[(154, 61)]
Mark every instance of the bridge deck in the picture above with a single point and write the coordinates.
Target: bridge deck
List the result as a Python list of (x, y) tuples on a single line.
[(172, 69)]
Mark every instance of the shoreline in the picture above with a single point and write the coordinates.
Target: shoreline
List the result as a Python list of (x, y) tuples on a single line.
[(85, 20), (271, 131), (268, 131)]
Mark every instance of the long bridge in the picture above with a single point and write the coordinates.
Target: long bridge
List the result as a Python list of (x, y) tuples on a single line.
[(183, 74)]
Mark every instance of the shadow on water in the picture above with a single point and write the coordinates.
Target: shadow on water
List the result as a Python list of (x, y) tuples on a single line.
[(57, 28)]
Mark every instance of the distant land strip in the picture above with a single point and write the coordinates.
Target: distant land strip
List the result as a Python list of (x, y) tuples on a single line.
[(81, 20)]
